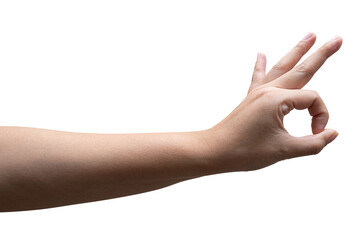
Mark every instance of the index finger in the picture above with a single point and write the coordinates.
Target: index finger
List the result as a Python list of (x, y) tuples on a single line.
[(300, 75), (291, 58), (302, 99)]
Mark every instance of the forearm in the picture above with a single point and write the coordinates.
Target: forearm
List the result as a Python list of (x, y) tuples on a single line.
[(42, 168)]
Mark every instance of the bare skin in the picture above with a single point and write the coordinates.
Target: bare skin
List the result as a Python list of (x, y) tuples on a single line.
[(42, 168)]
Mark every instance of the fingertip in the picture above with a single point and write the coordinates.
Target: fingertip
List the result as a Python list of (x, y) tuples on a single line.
[(259, 56), (336, 43), (337, 38), (313, 144), (310, 37), (316, 129), (333, 135), (314, 34), (261, 59), (319, 123), (328, 135), (341, 39), (260, 66)]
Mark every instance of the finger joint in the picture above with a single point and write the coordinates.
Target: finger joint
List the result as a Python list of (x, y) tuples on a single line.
[(305, 71)]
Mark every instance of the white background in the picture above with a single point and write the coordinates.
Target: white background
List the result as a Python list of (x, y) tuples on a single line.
[(154, 66)]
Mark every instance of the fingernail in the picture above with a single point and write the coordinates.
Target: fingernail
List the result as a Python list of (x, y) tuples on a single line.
[(308, 36), (333, 136), (259, 55), (335, 38)]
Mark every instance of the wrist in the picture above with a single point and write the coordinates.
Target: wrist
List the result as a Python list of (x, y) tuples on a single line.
[(222, 152), (207, 151)]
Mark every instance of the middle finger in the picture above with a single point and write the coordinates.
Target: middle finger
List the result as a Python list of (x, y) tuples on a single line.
[(291, 58)]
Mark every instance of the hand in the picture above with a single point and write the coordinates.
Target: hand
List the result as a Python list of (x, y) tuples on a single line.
[(253, 135)]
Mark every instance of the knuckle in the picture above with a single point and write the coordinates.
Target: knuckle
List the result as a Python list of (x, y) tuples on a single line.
[(266, 95), (317, 96), (257, 68), (279, 67), (316, 147), (257, 92), (253, 86), (263, 91), (304, 70), (314, 94), (300, 47)]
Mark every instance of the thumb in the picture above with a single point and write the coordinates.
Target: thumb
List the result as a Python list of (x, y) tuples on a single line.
[(313, 144)]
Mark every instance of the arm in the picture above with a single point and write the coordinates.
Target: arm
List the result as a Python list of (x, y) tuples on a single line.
[(45, 168)]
